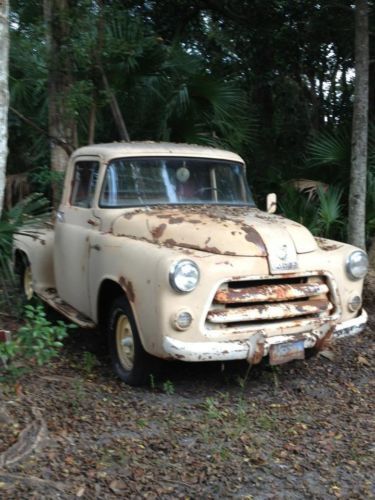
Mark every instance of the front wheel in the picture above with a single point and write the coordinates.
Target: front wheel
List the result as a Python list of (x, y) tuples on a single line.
[(129, 360), (26, 280)]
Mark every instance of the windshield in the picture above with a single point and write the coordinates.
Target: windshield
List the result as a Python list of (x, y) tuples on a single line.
[(159, 181)]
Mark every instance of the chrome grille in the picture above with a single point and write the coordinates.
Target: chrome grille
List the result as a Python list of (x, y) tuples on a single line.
[(267, 301)]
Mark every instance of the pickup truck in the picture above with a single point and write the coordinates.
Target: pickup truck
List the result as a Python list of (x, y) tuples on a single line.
[(162, 248)]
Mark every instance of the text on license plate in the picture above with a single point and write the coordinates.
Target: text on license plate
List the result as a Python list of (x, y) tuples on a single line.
[(287, 351)]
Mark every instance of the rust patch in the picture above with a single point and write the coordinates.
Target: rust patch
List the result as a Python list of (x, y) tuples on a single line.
[(211, 249), (325, 341), (164, 216), (176, 220), (158, 231), (270, 293), (253, 236), (326, 245), (170, 242), (256, 358), (269, 312), (127, 286)]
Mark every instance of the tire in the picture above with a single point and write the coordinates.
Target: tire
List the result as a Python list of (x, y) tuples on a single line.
[(26, 280), (130, 361)]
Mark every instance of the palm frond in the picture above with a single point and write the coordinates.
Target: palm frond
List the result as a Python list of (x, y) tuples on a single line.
[(330, 211), (330, 148)]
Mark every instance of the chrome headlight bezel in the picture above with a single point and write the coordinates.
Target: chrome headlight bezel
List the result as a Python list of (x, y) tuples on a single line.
[(176, 276), (357, 265)]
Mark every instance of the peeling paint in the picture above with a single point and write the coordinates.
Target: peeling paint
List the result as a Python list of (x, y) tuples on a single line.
[(127, 286), (270, 293), (270, 312), (327, 245), (176, 220), (253, 236), (158, 231)]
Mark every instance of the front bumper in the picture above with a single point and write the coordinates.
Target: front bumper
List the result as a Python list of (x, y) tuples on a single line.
[(258, 345)]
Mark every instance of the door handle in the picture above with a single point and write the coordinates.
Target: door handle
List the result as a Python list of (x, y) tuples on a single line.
[(93, 222), (60, 216), (96, 247)]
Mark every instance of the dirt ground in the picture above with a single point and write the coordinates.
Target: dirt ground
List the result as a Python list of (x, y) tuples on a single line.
[(301, 430)]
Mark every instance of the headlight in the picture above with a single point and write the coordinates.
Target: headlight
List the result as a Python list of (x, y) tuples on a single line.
[(357, 265), (184, 276)]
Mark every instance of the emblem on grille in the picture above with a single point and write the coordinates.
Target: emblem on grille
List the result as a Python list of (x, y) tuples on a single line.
[(283, 252)]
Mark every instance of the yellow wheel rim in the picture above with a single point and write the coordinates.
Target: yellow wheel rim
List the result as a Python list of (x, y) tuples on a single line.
[(28, 283), (125, 342)]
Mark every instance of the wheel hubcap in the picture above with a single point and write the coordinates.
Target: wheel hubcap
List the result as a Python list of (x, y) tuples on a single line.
[(28, 283), (125, 342)]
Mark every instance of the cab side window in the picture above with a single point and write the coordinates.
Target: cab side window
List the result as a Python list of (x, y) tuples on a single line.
[(84, 183)]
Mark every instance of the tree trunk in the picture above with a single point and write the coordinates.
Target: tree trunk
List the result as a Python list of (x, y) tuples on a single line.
[(116, 111), (61, 122), (357, 191), (4, 94), (115, 107)]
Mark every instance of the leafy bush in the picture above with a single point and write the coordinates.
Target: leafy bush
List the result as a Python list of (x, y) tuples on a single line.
[(16, 221), (322, 214), (38, 341)]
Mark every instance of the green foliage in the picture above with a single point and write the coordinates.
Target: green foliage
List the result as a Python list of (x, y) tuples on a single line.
[(37, 341), (271, 80), (38, 338), (298, 207), (321, 214), (43, 178), (330, 148), (212, 409), (330, 212), (168, 387), (90, 361), (17, 221)]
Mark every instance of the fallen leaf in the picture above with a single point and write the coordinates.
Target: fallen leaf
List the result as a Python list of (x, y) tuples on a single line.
[(363, 361), (80, 492), (327, 354), (117, 486)]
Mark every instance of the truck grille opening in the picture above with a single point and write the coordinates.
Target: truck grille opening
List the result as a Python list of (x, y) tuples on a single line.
[(263, 302)]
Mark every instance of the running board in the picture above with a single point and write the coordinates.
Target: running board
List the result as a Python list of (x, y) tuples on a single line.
[(52, 299)]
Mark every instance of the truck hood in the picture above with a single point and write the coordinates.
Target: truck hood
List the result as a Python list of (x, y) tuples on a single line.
[(225, 230)]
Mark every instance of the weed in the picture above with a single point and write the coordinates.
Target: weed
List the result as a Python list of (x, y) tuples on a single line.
[(212, 410), (152, 382), (37, 340), (89, 362), (168, 387), (142, 422), (79, 395), (242, 381), (265, 422), (241, 413), (275, 370), (225, 454)]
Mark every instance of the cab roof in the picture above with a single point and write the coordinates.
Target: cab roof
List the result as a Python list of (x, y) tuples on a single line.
[(149, 148)]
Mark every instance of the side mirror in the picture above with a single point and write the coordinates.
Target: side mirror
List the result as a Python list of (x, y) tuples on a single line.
[(271, 203)]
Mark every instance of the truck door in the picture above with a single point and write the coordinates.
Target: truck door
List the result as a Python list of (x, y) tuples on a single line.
[(73, 232)]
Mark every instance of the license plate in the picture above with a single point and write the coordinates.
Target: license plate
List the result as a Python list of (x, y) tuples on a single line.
[(287, 351)]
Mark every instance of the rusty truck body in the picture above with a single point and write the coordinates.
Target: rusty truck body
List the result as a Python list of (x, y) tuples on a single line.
[(162, 247)]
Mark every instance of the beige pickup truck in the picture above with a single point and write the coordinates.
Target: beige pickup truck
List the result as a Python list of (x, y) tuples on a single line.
[(162, 247)]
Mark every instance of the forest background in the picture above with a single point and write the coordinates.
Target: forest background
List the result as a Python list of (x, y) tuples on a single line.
[(273, 81)]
